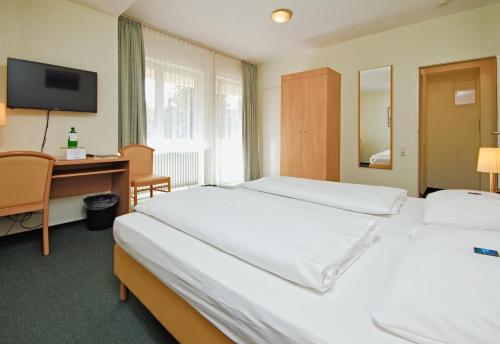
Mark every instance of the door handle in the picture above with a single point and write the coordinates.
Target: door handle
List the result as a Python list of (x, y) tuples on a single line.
[(495, 133)]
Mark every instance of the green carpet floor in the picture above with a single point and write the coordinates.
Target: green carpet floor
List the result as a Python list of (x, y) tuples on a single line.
[(70, 296)]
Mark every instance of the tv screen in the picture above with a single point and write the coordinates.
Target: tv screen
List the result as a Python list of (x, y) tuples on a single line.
[(33, 85)]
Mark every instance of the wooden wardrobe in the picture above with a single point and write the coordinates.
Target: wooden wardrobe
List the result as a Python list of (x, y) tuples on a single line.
[(310, 124)]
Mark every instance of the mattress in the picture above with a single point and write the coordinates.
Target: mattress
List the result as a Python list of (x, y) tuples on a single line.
[(250, 305)]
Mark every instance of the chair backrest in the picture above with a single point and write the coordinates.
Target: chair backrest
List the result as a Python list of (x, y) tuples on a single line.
[(24, 178), (141, 159)]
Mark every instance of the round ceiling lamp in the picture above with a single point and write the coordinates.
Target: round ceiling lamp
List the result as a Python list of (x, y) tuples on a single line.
[(281, 15)]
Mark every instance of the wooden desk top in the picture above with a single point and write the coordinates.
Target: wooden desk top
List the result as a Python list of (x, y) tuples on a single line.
[(94, 160)]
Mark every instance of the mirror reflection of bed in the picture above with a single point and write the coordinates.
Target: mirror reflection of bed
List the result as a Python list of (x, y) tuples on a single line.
[(375, 117), (382, 158)]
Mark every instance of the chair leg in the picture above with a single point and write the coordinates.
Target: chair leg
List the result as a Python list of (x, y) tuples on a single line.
[(135, 196), (123, 292), (45, 233), (151, 191), (169, 184)]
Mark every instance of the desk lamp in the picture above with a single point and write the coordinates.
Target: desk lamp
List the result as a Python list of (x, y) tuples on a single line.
[(489, 162)]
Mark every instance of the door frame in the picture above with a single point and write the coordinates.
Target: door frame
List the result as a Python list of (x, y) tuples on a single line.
[(481, 64)]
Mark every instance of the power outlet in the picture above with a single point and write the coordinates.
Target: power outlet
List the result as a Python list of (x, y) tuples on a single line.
[(403, 150)]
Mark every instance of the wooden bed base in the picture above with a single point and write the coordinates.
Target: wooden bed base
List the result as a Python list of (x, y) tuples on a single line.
[(382, 166), (175, 314)]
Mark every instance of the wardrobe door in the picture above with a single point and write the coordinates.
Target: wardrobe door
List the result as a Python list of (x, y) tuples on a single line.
[(333, 127), (291, 127), (314, 127)]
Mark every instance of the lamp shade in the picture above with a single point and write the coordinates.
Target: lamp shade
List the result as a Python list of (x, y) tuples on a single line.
[(489, 160), (3, 115)]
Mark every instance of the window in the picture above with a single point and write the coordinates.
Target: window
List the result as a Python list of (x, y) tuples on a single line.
[(170, 107), (194, 111)]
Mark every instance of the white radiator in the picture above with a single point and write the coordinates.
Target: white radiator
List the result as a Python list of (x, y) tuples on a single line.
[(183, 167)]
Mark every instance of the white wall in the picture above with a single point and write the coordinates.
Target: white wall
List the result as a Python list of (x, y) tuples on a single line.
[(462, 36), (63, 33)]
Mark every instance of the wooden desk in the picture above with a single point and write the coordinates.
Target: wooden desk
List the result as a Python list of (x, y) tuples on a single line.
[(80, 177)]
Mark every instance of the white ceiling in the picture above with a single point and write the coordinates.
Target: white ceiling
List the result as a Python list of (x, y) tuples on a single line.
[(114, 7), (243, 27)]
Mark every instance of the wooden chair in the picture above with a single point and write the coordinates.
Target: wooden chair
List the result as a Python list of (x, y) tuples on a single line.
[(141, 171), (25, 186)]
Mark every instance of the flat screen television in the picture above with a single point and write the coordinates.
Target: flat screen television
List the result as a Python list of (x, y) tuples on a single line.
[(33, 85)]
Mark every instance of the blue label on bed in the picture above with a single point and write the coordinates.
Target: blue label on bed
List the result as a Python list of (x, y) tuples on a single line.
[(486, 252)]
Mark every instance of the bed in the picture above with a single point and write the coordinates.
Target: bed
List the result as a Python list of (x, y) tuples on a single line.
[(290, 260), (381, 159), (202, 294)]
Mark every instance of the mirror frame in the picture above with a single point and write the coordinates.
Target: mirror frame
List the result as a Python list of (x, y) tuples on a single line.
[(377, 166)]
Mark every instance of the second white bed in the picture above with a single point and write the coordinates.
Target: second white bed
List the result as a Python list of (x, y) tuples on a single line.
[(251, 305)]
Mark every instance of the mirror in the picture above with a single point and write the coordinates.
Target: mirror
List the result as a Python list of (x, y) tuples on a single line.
[(375, 117)]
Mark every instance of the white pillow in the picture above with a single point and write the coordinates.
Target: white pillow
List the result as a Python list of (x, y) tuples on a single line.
[(463, 208), (440, 291), (368, 199)]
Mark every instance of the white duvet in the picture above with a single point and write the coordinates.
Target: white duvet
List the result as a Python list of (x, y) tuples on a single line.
[(440, 291), (301, 242), (368, 199)]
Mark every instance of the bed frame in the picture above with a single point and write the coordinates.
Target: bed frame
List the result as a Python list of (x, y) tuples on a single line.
[(382, 166), (175, 314)]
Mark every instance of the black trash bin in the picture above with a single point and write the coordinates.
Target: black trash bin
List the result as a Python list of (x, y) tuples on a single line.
[(101, 211)]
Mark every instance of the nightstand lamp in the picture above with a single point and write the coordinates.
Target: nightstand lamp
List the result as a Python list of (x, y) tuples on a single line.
[(489, 162), (3, 115)]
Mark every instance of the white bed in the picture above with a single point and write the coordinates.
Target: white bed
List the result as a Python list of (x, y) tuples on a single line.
[(251, 305), (382, 158)]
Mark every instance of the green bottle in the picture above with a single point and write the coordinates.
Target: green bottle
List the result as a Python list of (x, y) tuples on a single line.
[(73, 138)]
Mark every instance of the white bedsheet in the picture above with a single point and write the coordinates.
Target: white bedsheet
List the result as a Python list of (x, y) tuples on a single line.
[(251, 305), (298, 241)]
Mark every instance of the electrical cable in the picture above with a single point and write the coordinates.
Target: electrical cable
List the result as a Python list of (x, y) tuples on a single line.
[(11, 226), (46, 128), (21, 219), (26, 217)]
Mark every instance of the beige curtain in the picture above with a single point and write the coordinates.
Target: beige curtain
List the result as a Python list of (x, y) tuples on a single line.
[(228, 121), (250, 124), (131, 76)]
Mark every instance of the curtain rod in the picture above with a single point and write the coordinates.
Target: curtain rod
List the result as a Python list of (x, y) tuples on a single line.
[(182, 38)]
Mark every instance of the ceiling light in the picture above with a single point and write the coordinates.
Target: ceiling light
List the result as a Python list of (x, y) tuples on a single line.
[(281, 15)]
